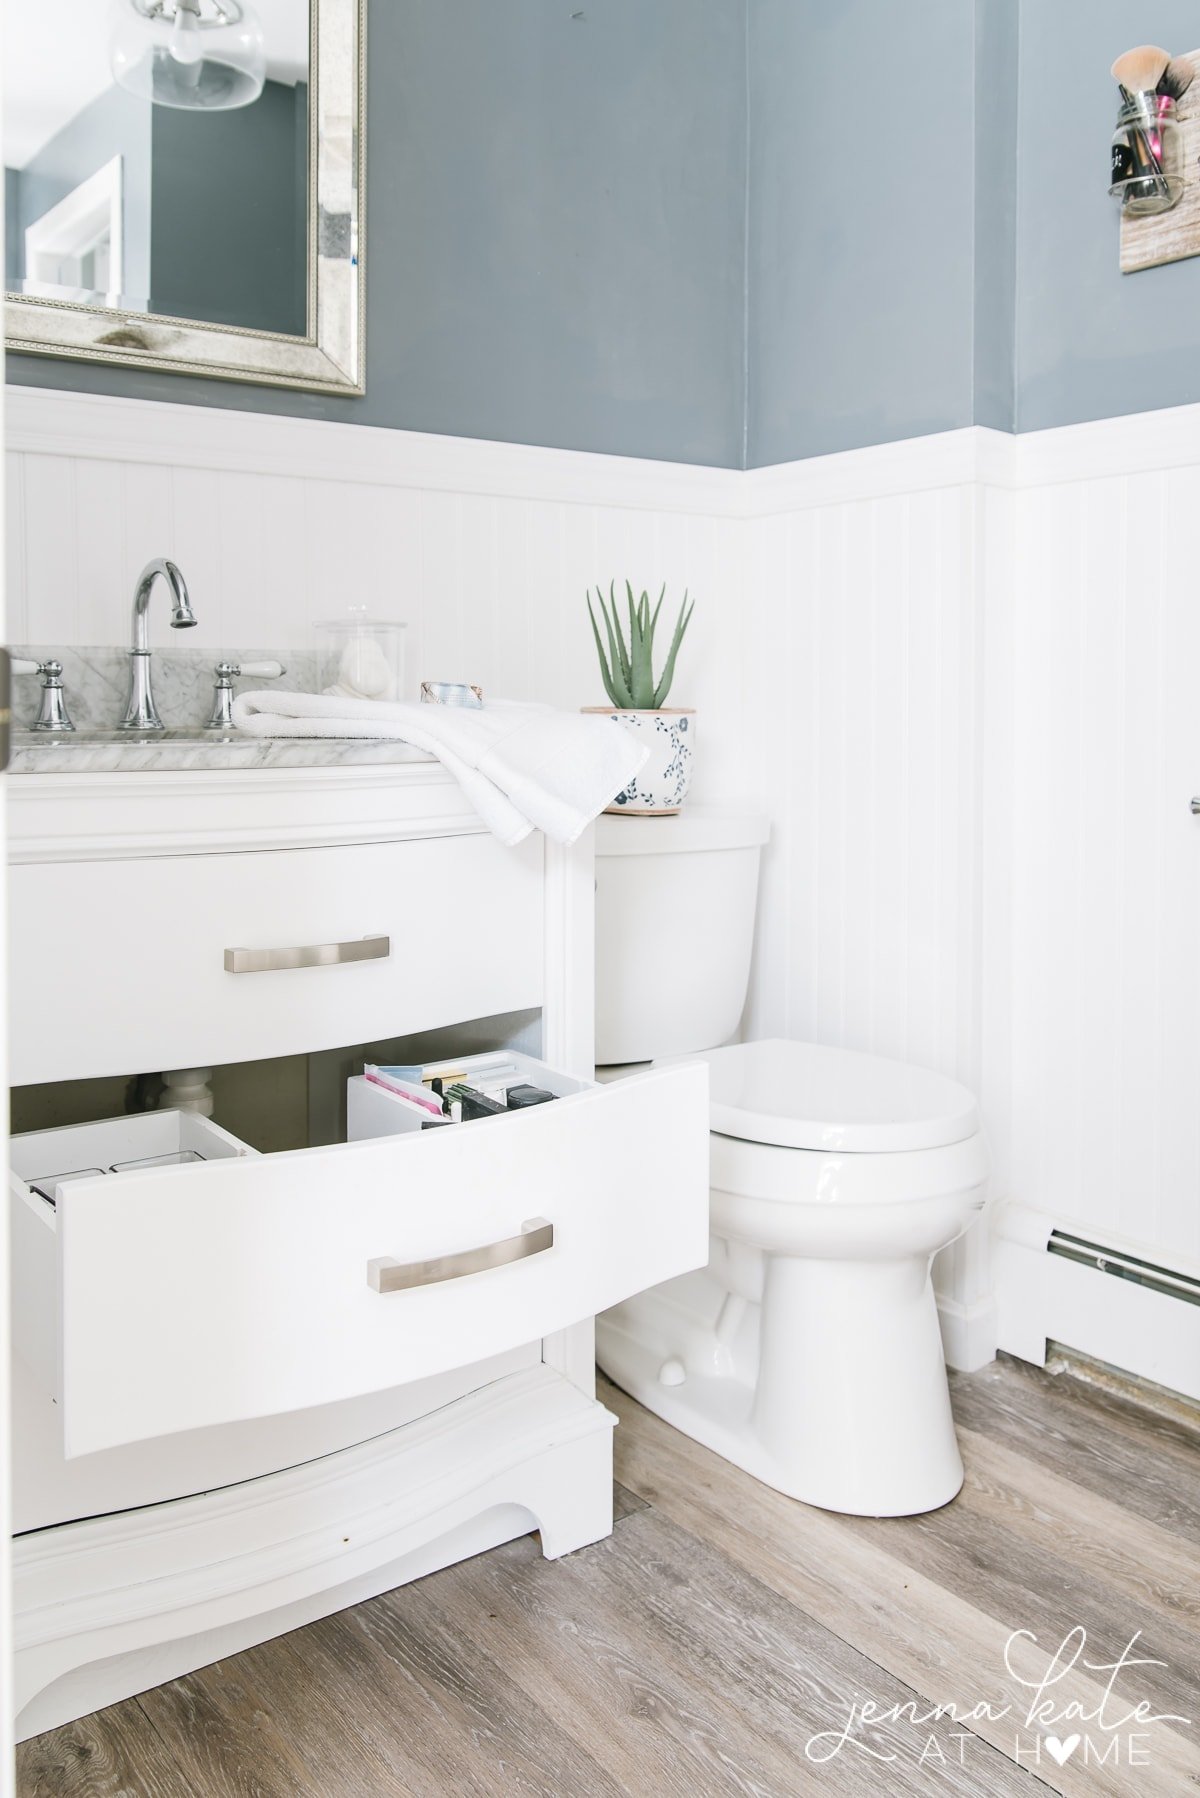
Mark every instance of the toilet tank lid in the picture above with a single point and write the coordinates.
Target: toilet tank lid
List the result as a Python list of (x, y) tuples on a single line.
[(807, 1096), (696, 827)]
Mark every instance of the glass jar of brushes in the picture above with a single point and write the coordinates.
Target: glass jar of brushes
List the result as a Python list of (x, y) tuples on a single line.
[(1147, 155), (359, 657)]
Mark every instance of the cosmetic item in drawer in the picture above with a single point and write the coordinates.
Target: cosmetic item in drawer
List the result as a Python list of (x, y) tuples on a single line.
[(374, 1110), (519, 1098), (172, 1298)]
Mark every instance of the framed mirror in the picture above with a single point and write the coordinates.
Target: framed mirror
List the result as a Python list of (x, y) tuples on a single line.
[(184, 186)]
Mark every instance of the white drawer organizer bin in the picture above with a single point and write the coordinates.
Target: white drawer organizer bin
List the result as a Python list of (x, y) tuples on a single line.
[(253, 1388)]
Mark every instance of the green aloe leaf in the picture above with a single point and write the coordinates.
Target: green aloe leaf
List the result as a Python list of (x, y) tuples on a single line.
[(664, 685), (605, 673), (642, 683), (617, 685), (652, 627), (616, 618)]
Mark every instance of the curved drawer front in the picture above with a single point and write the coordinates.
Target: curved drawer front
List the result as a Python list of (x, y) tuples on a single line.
[(215, 958), (248, 1287)]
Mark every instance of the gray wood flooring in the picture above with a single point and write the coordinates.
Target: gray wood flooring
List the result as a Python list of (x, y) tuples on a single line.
[(727, 1640)]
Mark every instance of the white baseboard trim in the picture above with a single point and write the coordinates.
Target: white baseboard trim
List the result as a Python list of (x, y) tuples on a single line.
[(969, 1333), (1042, 1297)]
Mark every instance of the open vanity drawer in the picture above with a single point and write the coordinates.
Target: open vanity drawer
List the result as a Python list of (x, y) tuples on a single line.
[(175, 1296)]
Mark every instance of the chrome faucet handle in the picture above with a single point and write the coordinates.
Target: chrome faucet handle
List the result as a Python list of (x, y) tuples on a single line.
[(226, 673), (53, 714)]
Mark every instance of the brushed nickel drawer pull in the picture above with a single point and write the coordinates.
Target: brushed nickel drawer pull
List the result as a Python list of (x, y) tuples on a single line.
[(386, 1275), (308, 955)]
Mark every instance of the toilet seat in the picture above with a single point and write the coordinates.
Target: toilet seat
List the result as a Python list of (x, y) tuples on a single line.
[(806, 1096)]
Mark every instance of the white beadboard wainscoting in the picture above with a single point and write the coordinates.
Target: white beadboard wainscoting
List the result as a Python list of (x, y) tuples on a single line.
[(954, 671), (1102, 1124)]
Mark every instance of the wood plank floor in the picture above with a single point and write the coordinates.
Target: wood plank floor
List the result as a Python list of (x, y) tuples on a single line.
[(727, 1640)]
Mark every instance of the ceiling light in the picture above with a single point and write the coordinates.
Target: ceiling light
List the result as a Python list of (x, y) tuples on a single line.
[(202, 55)]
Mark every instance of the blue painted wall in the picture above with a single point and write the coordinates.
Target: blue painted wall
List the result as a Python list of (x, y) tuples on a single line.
[(994, 399), (882, 220), (1091, 342), (556, 218), (986, 291)]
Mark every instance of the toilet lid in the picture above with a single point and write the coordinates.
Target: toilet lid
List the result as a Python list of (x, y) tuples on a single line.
[(805, 1096)]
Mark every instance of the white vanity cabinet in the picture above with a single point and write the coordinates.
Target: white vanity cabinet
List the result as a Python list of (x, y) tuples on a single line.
[(254, 1388)]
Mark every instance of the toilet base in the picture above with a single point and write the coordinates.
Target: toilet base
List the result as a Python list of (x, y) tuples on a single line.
[(827, 1428)]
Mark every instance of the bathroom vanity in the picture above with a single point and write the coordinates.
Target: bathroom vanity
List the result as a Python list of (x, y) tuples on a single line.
[(225, 1422)]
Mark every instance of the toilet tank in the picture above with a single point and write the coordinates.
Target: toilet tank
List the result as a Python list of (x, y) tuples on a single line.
[(675, 905)]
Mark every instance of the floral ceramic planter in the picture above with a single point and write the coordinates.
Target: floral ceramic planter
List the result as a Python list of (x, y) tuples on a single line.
[(661, 786)]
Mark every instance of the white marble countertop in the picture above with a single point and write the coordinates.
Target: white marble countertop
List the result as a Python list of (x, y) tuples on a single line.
[(113, 752), (96, 681)]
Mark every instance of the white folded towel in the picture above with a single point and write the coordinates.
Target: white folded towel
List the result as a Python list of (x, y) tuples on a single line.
[(523, 767)]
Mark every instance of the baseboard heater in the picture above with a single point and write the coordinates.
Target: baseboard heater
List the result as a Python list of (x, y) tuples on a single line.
[(1055, 1283), (1125, 1267)]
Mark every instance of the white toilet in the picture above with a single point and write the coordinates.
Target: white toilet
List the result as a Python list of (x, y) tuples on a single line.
[(808, 1351)]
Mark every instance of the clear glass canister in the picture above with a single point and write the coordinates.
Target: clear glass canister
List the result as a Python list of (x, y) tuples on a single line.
[(360, 657), (1147, 155)]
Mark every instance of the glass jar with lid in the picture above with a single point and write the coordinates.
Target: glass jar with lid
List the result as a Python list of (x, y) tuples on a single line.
[(359, 657)]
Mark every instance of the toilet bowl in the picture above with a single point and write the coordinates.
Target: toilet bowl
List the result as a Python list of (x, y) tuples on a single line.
[(808, 1350)]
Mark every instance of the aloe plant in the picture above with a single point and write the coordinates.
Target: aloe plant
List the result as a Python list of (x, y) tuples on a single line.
[(628, 668)]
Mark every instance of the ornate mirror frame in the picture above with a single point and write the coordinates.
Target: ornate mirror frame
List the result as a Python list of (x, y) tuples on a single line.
[(330, 358)]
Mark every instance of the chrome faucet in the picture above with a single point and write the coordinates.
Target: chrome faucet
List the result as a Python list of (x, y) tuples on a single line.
[(141, 712)]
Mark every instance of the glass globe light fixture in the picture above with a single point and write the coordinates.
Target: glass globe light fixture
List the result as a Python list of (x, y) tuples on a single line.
[(200, 55)]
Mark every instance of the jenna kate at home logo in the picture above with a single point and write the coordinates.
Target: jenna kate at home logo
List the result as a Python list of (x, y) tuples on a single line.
[(1071, 1706)]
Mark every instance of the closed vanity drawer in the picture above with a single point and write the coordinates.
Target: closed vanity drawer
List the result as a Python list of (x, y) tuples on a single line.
[(172, 1297), (241, 957)]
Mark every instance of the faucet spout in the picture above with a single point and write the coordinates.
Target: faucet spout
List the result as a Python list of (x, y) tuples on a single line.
[(141, 712), (181, 606)]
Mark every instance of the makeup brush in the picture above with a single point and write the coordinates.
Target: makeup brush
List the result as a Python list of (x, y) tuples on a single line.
[(1141, 70), (1138, 72), (1175, 79)]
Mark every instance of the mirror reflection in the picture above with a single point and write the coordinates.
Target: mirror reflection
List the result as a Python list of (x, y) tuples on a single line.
[(156, 157)]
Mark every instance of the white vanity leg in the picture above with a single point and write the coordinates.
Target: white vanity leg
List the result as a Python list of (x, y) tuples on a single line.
[(571, 1493), (572, 1353)]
